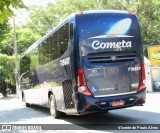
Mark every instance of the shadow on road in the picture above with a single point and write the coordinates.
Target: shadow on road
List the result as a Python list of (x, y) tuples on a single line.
[(112, 119), (96, 121), (102, 121)]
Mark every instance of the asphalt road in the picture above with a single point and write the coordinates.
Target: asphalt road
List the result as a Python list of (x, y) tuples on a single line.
[(12, 111)]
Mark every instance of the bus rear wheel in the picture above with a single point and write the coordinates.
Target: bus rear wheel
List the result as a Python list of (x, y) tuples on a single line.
[(53, 108)]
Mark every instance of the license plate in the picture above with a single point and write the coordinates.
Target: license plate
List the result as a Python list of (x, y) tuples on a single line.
[(117, 103)]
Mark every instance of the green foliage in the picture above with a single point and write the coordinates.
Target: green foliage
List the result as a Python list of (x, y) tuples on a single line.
[(5, 8), (43, 19), (40, 20), (25, 64), (148, 12), (6, 12), (25, 37), (7, 66), (4, 29), (6, 39)]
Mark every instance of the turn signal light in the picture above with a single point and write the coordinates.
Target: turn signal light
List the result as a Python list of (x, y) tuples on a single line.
[(143, 79), (81, 83)]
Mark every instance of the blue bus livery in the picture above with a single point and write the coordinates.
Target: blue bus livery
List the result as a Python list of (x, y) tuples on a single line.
[(90, 62)]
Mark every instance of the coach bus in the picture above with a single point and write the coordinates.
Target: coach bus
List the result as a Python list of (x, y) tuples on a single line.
[(91, 62)]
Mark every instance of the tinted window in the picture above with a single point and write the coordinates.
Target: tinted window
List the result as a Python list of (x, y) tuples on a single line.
[(25, 64), (34, 61), (54, 46), (46, 50), (26, 80), (92, 25), (63, 38), (40, 51), (50, 49)]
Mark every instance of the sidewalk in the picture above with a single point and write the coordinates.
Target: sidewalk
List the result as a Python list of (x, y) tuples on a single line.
[(8, 96)]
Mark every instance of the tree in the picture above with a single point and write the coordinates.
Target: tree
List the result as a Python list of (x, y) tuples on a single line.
[(147, 11), (6, 8), (42, 19), (6, 69), (148, 14), (6, 12), (25, 38), (4, 30)]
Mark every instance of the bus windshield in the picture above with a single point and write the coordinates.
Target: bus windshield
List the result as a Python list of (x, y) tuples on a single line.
[(97, 25)]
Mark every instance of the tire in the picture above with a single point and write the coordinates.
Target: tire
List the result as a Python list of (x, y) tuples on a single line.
[(53, 108), (24, 101)]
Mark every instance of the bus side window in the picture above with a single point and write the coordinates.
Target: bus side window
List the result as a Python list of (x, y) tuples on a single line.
[(54, 49), (63, 38), (25, 64), (45, 49), (34, 59), (44, 52), (40, 54), (26, 80)]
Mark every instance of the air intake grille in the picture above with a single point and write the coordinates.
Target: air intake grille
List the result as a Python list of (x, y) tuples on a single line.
[(111, 57), (67, 90)]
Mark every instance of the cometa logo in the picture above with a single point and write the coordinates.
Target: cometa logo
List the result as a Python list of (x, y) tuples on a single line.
[(102, 45)]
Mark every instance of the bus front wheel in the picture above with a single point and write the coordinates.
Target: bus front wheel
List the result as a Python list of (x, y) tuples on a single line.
[(53, 108)]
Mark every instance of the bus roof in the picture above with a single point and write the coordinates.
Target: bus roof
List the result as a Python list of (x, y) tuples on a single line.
[(105, 11)]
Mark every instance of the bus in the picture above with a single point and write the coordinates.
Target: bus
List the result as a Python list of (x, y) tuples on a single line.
[(91, 62)]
